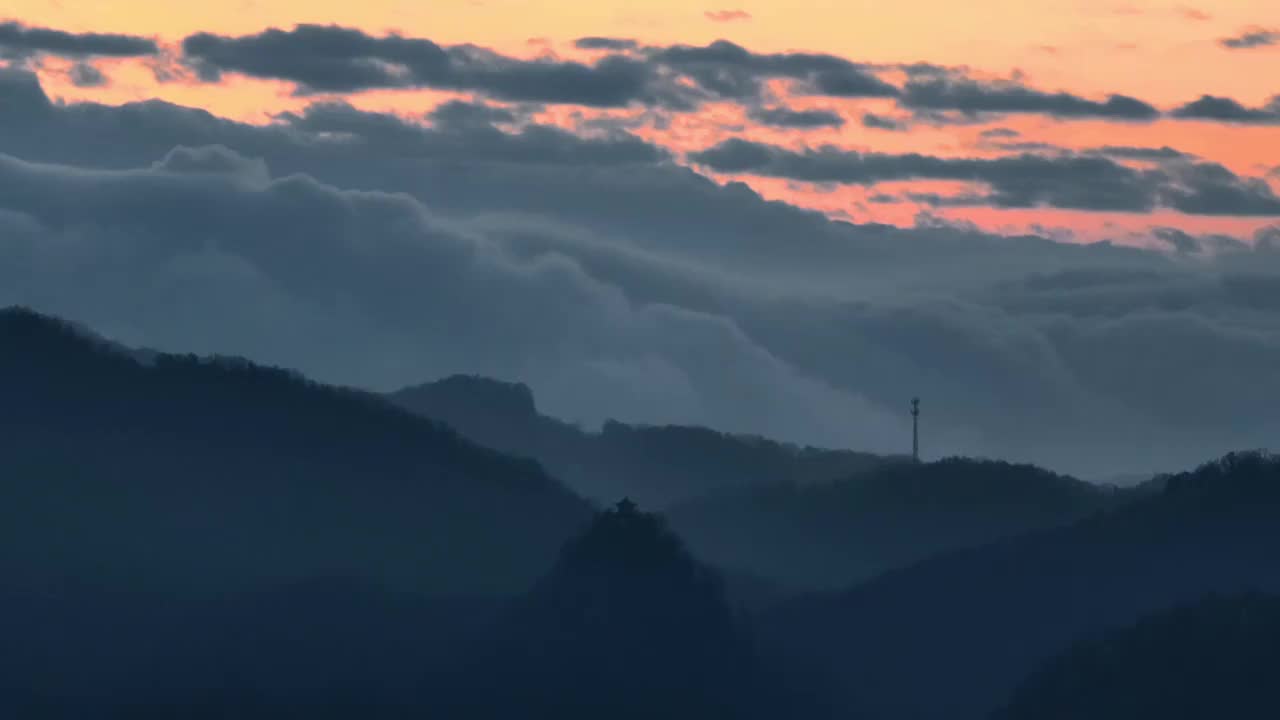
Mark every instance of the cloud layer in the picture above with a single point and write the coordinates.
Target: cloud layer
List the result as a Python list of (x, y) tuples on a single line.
[(1221, 109), (18, 40), (971, 97), (1255, 37), (377, 250), (1068, 181), (326, 58)]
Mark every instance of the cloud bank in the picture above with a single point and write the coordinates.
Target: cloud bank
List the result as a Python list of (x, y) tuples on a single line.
[(18, 40), (1068, 181), (377, 250)]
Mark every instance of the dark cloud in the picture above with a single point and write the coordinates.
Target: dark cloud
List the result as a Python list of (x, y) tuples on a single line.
[(1180, 241), (605, 43), (373, 250), (463, 131), (784, 117), (1211, 189), (534, 170), (23, 97), (1255, 37), (1029, 146), (319, 58), (948, 118), (1070, 181), (851, 84), (85, 75), (727, 15), (1082, 183), (677, 78), (973, 97), (1221, 109), (334, 59), (934, 199), (462, 114), (1185, 243), (331, 59), (1121, 152), (996, 133), (1130, 152), (732, 71), (18, 40), (882, 122), (1268, 239)]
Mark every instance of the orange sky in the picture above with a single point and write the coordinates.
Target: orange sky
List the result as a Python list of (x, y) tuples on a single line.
[(1164, 53), (1078, 44)]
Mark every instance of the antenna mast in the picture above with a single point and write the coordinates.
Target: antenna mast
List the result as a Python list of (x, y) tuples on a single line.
[(915, 429)]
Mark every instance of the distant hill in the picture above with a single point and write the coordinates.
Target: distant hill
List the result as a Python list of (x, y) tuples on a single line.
[(1214, 659), (656, 465), (183, 474), (951, 637), (833, 534), (627, 624)]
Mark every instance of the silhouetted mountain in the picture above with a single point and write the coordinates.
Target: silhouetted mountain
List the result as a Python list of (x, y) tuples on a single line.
[(836, 533), (163, 520), (951, 637), (184, 473), (658, 465), (1215, 659), (626, 625)]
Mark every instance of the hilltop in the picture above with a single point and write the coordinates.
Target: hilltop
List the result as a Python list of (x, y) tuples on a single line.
[(185, 473)]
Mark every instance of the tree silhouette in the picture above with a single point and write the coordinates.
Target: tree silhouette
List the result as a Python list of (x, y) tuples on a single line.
[(627, 624)]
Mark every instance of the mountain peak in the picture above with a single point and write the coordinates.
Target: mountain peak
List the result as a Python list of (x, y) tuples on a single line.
[(626, 540), (627, 624), (502, 399)]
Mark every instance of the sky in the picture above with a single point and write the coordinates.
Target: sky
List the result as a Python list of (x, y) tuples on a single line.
[(994, 54), (1055, 221)]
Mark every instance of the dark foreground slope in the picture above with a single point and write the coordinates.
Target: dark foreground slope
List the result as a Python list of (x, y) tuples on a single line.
[(951, 637), (315, 649), (836, 533), (626, 624), (1214, 659), (657, 465), (188, 474)]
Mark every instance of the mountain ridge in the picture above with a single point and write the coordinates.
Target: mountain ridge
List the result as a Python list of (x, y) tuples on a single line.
[(971, 623), (242, 467), (658, 465)]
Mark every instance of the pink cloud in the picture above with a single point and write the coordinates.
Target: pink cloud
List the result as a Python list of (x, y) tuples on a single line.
[(727, 15)]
